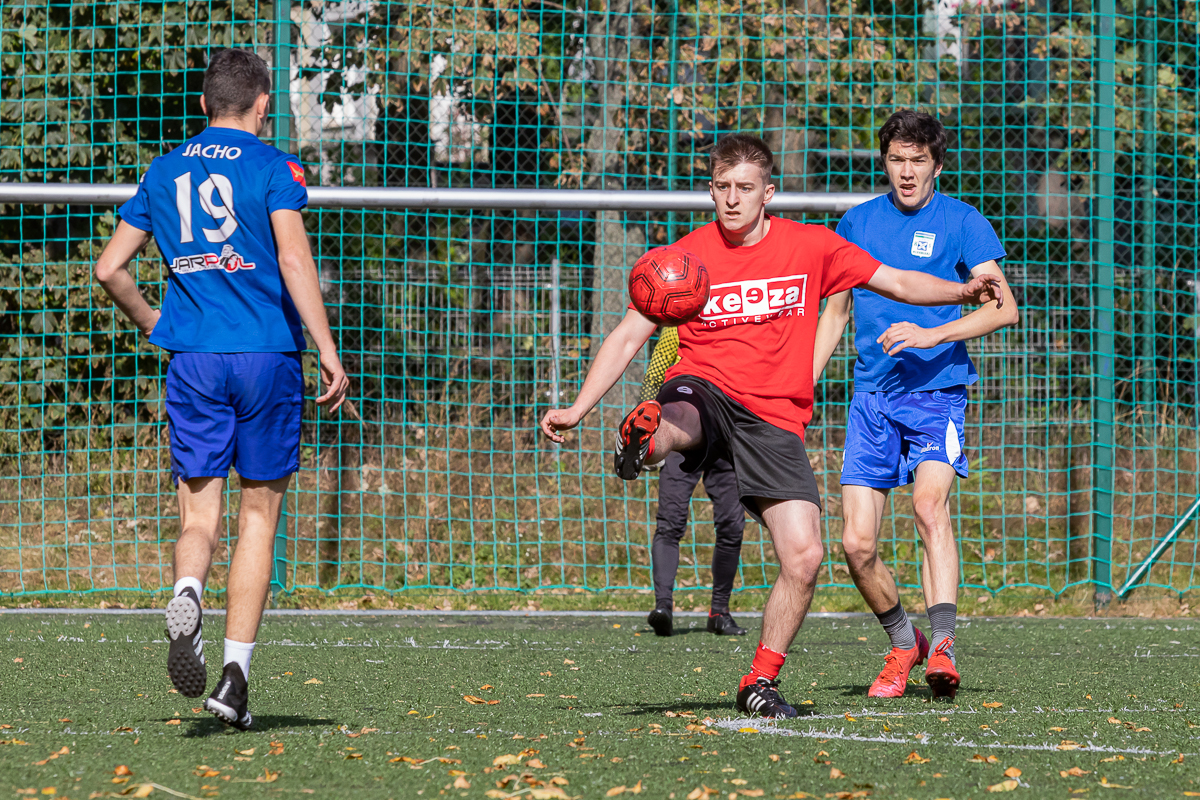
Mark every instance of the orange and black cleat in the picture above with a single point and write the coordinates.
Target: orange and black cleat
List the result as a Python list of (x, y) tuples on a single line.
[(896, 666), (941, 675), (635, 439)]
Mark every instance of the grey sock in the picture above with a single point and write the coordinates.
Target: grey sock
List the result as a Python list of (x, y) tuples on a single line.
[(941, 620), (898, 628)]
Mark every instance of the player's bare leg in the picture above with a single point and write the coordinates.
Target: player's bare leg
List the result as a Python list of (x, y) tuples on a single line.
[(650, 432), (200, 526), (862, 512), (250, 571), (795, 532), (931, 509), (249, 580)]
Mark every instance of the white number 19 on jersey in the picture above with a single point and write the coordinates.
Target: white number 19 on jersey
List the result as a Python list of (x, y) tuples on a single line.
[(222, 213)]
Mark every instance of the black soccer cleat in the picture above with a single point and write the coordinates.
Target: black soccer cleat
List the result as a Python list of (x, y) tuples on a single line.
[(661, 619), (634, 438), (723, 625), (229, 698), (762, 697), (185, 660)]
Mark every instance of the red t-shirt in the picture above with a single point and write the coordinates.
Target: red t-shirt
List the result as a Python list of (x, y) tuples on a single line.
[(755, 337)]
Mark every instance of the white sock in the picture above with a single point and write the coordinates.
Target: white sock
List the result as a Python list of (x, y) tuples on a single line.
[(239, 653), (186, 583)]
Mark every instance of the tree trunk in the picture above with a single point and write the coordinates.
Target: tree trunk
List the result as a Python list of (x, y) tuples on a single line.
[(618, 244)]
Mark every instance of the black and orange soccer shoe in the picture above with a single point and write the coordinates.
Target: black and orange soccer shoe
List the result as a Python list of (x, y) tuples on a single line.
[(940, 673), (762, 697), (635, 439)]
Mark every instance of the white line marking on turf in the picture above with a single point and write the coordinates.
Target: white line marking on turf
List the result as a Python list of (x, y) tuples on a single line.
[(769, 727), (406, 612)]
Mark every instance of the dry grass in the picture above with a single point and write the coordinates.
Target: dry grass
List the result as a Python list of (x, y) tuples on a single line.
[(471, 507)]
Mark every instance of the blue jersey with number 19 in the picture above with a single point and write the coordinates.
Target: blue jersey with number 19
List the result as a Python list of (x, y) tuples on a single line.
[(208, 204)]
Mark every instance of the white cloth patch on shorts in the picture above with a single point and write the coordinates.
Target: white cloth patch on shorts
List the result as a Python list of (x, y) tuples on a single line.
[(953, 448)]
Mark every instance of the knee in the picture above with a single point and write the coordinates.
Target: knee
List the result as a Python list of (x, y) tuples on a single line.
[(931, 514), (804, 561), (861, 549)]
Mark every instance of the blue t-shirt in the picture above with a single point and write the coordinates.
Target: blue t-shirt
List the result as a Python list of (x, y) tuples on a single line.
[(946, 239), (208, 203)]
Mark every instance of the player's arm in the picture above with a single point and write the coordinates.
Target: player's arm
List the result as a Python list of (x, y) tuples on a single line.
[(920, 289), (830, 327), (299, 273), (986, 319), (616, 352), (112, 271)]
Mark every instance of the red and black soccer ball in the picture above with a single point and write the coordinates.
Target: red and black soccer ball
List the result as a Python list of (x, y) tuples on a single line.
[(669, 286)]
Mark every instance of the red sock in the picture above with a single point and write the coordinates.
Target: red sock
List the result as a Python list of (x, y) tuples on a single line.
[(767, 664), (650, 450)]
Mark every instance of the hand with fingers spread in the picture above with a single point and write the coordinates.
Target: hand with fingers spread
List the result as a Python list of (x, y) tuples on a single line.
[(902, 335), (982, 290), (560, 419), (336, 382)]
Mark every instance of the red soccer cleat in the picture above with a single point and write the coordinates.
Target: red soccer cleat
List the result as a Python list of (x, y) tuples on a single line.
[(941, 675), (635, 439), (896, 666)]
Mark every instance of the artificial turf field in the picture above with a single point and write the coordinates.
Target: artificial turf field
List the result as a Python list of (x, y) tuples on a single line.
[(553, 707)]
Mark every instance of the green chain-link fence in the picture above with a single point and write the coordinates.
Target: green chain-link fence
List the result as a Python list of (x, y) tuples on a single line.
[(1074, 127)]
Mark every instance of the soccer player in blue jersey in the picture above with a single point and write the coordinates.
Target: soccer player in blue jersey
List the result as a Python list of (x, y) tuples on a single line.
[(224, 209), (907, 416)]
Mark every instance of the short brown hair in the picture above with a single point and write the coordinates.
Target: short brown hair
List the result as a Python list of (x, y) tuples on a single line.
[(913, 127), (233, 82), (741, 148)]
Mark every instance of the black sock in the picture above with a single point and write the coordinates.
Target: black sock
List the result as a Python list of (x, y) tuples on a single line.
[(898, 628), (941, 619)]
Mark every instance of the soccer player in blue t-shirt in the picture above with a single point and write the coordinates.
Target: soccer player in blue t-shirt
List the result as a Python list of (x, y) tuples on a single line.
[(224, 209), (907, 416)]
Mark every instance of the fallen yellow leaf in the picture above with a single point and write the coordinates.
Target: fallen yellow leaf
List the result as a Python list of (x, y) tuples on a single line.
[(144, 790), (985, 759), (535, 695), (313, 682), (461, 783), (1104, 784), (915, 758), (170, 722), (835, 773), (1012, 772), (505, 760), (473, 700), (616, 790), (1067, 744), (1073, 772), (122, 770), (747, 730), (1003, 786), (249, 752), (535, 763), (268, 776)]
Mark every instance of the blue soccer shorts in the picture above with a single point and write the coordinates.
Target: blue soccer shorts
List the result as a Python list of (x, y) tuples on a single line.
[(239, 409), (889, 433)]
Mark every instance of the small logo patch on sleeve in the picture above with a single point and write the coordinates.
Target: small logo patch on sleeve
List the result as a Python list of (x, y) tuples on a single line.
[(297, 173)]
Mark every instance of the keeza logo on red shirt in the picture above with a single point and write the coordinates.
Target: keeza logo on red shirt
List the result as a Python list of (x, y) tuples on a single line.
[(759, 298)]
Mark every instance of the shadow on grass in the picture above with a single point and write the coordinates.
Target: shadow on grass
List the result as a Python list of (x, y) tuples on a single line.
[(722, 706), (204, 727)]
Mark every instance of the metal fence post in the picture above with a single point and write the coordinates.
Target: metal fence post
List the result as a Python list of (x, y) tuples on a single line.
[(1105, 279), (279, 557), (281, 127), (555, 330)]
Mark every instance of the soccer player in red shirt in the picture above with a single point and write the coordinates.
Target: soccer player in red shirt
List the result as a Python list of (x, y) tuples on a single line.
[(743, 387)]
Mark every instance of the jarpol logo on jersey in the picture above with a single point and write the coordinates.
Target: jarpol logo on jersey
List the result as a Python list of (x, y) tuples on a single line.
[(754, 301), (229, 261), (922, 244)]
